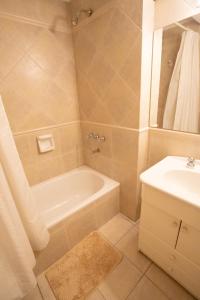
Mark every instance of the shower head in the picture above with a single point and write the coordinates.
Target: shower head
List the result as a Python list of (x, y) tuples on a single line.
[(87, 12)]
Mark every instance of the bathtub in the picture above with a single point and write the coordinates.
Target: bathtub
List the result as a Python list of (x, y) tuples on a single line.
[(60, 197), (73, 205)]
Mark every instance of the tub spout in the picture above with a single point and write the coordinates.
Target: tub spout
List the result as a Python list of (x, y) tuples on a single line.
[(97, 150)]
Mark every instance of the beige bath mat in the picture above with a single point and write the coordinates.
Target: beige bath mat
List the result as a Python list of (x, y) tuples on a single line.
[(81, 269)]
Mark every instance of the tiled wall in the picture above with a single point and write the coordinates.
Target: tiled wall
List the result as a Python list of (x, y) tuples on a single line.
[(166, 142), (46, 12), (38, 84), (108, 60)]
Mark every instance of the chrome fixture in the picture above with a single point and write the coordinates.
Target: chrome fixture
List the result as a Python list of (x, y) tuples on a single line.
[(87, 12), (95, 136), (190, 162)]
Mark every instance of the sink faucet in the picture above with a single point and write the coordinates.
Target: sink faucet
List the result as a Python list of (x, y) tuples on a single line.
[(190, 162)]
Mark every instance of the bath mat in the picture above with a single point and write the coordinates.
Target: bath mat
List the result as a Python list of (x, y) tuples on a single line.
[(81, 269)]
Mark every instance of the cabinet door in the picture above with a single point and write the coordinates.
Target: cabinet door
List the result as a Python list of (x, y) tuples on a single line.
[(189, 243), (162, 225)]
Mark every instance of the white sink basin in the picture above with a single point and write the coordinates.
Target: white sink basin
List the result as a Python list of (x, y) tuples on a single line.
[(172, 176)]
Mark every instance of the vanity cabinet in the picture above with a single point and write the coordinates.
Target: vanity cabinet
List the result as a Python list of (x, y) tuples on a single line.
[(165, 227), (188, 243), (170, 236)]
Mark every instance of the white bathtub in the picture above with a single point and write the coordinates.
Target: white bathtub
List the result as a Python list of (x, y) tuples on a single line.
[(62, 196)]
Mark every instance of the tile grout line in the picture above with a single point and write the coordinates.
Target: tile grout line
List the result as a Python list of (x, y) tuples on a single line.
[(143, 275), (40, 291), (25, 52), (157, 286), (100, 293), (135, 285), (133, 226)]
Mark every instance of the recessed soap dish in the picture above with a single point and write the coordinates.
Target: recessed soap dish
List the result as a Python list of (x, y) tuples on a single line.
[(45, 143)]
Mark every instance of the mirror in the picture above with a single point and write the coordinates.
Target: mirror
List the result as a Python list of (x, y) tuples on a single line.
[(175, 89)]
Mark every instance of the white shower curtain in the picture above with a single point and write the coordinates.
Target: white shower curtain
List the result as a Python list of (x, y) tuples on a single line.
[(20, 189), (16, 256), (183, 101)]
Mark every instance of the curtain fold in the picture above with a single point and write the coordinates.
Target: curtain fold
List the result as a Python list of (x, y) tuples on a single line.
[(19, 186), (16, 256), (183, 100)]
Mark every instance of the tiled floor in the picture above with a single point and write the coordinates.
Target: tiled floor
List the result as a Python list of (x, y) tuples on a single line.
[(135, 278)]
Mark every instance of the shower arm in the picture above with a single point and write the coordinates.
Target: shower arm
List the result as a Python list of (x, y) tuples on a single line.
[(86, 11), (75, 18)]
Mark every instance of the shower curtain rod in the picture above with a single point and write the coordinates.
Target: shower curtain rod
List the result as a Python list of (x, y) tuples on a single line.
[(182, 26)]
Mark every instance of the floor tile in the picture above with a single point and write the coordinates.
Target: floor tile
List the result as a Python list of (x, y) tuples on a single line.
[(167, 284), (129, 246), (34, 295), (119, 284), (44, 287), (115, 229), (95, 295), (146, 290)]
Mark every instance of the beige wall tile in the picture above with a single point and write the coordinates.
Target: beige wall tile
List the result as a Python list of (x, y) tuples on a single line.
[(84, 50), (38, 86), (130, 74), (56, 248), (48, 53), (42, 11), (107, 207), (100, 74), (108, 56), (125, 146), (43, 85), (81, 224), (119, 101), (67, 154), (10, 54), (81, 4), (133, 10), (118, 159), (100, 25), (88, 99), (163, 143), (19, 34), (119, 38)]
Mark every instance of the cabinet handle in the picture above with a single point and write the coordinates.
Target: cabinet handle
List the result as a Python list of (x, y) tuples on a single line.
[(175, 223), (184, 228)]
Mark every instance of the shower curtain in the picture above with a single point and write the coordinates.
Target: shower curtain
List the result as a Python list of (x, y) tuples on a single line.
[(16, 256), (20, 189), (183, 100), (21, 227)]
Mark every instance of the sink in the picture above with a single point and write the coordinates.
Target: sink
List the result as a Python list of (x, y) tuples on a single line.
[(171, 176)]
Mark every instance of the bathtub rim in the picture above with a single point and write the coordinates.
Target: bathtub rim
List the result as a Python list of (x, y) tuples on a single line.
[(108, 185), (74, 171)]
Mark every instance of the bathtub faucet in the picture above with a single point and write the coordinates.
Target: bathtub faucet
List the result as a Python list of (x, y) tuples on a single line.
[(95, 136), (97, 150)]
